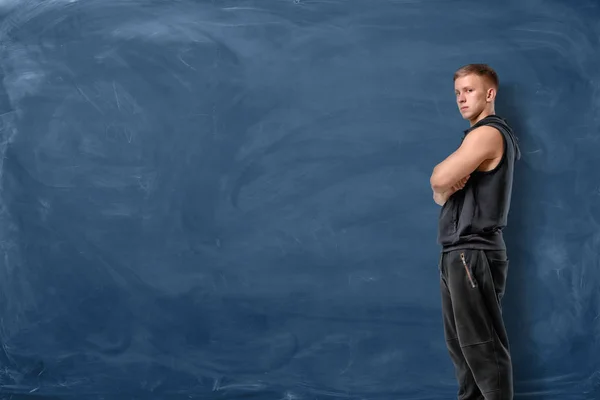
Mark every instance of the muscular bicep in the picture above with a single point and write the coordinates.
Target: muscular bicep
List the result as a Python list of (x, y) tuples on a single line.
[(482, 144)]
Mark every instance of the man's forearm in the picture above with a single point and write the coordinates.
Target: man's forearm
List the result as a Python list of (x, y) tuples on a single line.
[(440, 196), (441, 185)]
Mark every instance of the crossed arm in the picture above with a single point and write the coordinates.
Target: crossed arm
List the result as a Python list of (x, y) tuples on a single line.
[(452, 174)]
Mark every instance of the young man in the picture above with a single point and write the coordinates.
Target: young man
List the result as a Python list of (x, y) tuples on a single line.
[(473, 186)]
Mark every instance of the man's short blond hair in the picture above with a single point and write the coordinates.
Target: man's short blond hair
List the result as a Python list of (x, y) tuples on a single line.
[(481, 70)]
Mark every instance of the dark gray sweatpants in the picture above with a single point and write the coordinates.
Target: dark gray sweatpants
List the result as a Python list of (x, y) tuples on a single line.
[(472, 284)]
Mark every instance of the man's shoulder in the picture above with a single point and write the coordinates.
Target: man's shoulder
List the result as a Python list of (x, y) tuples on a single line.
[(487, 130), (497, 127), (493, 124), (486, 135)]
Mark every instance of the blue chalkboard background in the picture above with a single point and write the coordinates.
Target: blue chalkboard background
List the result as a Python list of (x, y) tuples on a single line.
[(230, 199)]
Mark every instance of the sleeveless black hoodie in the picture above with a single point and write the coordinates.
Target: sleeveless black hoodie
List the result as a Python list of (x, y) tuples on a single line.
[(473, 218)]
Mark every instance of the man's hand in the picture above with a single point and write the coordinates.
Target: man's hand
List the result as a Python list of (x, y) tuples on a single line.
[(441, 198), (460, 184)]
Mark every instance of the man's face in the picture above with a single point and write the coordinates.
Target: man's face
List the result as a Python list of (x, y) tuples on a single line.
[(473, 94)]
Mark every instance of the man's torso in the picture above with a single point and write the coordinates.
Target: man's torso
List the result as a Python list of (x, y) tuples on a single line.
[(475, 216)]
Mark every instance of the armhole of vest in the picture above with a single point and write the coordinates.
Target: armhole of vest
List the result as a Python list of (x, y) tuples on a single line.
[(506, 142)]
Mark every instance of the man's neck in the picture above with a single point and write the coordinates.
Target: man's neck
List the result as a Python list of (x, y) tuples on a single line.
[(481, 116)]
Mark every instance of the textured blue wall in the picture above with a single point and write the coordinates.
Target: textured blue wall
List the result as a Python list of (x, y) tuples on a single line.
[(230, 199)]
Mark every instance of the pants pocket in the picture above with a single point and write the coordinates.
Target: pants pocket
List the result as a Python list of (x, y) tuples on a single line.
[(467, 288), (498, 272)]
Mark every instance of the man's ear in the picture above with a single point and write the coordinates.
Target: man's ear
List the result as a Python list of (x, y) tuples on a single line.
[(491, 95)]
